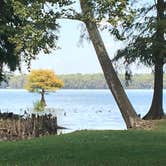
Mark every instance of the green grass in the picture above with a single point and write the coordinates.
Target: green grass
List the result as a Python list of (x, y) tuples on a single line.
[(89, 148)]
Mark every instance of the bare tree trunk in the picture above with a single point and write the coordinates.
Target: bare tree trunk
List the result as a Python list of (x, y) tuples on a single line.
[(43, 98), (156, 109), (129, 115)]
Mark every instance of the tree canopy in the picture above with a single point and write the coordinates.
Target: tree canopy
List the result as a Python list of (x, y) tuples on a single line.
[(145, 35), (42, 81), (8, 20), (27, 28)]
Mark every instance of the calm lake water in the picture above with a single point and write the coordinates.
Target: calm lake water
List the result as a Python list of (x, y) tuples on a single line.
[(79, 109)]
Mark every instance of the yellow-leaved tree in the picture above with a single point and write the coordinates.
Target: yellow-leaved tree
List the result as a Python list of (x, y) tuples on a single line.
[(42, 81)]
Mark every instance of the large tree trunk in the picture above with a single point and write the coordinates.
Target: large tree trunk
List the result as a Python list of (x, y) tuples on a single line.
[(129, 115), (156, 109), (42, 98)]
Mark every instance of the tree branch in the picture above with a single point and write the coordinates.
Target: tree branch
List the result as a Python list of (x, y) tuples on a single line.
[(77, 16)]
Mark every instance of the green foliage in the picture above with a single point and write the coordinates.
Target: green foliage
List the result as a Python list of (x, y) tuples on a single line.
[(114, 13), (38, 106), (145, 35), (38, 29), (27, 28), (88, 81), (8, 20), (83, 81)]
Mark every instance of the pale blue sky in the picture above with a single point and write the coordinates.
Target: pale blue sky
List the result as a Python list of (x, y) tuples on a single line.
[(73, 57)]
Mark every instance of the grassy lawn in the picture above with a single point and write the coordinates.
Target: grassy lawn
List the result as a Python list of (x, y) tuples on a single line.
[(89, 148)]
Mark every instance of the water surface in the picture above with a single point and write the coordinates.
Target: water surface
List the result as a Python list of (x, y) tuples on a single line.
[(79, 109)]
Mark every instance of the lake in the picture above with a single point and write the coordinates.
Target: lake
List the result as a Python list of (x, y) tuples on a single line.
[(79, 109)]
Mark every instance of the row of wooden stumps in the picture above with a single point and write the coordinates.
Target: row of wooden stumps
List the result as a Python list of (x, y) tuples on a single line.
[(15, 127)]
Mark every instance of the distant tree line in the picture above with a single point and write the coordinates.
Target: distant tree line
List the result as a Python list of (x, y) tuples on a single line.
[(87, 81)]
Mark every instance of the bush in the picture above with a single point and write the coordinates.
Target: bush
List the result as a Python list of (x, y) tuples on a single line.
[(38, 106)]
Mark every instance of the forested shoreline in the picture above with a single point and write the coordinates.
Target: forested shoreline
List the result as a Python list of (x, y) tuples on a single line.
[(87, 81)]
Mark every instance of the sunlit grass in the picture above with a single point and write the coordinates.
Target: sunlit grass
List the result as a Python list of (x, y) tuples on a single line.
[(89, 148)]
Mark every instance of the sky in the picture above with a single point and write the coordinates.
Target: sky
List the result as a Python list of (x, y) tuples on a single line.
[(74, 57)]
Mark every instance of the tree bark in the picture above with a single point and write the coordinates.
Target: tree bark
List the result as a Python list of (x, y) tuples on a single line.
[(156, 110), (128, 113), (43, 98)]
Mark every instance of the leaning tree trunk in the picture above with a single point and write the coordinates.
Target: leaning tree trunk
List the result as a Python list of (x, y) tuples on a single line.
[(156, 109), (43, 98), (128, 113)]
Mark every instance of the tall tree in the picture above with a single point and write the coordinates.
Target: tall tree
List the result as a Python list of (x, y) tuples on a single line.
[(159, 54), (88, 12), (147, 45)]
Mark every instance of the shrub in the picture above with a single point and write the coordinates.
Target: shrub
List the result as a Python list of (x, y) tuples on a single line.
[(38, 106)]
